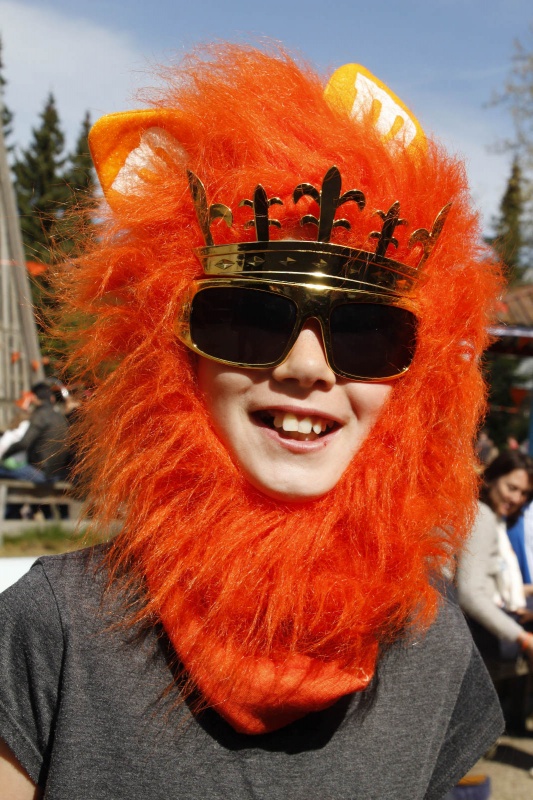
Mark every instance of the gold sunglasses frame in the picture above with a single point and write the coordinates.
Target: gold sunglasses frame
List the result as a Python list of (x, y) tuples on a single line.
[(313, 301)]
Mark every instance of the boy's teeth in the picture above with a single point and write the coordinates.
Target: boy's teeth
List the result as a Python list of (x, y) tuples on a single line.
[(290, 423), (305, 425)]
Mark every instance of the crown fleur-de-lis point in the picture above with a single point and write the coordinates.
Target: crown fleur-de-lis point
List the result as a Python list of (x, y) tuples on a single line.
[(200, 203), (386, 237), (328, 200), (260, 204), (206, 214), (428, 239)]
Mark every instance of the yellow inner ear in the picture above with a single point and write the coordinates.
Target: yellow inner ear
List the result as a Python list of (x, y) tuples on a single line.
[(354, 89), (113, 137)]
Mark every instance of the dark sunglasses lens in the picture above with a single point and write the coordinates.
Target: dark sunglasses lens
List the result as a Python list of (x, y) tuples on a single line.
[(372, 341), (243, 326)]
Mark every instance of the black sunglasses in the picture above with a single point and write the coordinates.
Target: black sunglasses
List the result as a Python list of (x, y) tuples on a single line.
[(254, 324)]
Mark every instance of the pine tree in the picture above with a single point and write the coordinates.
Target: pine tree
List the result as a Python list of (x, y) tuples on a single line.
[(80, 181), (53, 193), (80, 172), (504, 419), (5, 114), (71, 228), (41, 196), (502, 370), (513, 241), (41, 190), (517, 96), (508, 240)]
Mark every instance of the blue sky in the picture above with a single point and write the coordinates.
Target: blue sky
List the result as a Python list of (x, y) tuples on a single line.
[(444, 58)]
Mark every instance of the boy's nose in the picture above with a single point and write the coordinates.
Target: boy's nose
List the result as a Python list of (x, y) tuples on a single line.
[(306, 362)]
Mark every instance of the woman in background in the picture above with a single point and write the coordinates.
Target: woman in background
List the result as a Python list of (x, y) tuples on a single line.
[(489, 582)]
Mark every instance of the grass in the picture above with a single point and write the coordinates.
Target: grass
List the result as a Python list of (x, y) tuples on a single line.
[(41, 540)]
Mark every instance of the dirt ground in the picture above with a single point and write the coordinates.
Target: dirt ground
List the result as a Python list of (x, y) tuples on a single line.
[(510, 768)]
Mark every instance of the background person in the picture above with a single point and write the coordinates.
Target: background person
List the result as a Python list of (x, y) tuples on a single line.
[(44, 442), (489, 582)]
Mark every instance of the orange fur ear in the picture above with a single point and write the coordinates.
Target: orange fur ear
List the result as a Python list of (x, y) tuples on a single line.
[(354, 89), (126, 146)]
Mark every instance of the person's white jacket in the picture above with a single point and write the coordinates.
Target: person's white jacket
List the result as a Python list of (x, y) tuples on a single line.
[(479, 578)]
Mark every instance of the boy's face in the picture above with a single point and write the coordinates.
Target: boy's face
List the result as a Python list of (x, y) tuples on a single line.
[(255, 414)]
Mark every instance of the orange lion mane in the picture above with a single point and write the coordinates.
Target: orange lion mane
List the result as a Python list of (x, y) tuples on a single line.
[(333, 577)]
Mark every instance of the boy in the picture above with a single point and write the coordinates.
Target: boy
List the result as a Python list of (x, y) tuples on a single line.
[(283, 316)]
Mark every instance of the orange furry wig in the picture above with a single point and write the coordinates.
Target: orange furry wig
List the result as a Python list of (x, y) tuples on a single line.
[(262, 598)]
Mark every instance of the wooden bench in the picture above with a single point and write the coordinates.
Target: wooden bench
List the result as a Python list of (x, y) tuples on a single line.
[(52, 495)]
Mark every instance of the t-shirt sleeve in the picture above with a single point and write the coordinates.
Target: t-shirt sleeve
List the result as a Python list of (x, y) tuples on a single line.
[(31, 654), (475, 725)]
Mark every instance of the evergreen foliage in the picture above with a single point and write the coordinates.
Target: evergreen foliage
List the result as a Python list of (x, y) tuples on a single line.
[(513, 241), (41, 197), (80, 181), (71, 228), (41, 190), (518, 97), (80, 171), (6, 116), (52, 188), (502, 370), (505, 419), (509, 240)]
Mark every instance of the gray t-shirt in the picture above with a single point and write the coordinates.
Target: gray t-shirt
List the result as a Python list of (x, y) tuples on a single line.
[(85, 705)]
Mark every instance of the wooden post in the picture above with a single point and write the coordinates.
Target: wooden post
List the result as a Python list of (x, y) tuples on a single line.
[(20, 355)]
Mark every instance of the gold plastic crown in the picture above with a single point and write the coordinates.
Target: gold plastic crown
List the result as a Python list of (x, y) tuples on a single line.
[(319, 261)]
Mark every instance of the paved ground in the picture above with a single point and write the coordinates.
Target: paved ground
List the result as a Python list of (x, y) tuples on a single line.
[(510, 769)]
